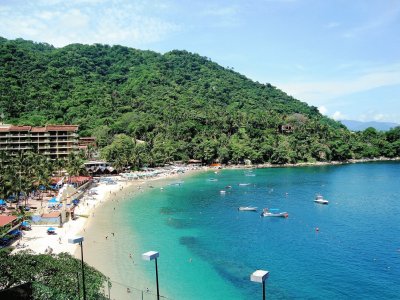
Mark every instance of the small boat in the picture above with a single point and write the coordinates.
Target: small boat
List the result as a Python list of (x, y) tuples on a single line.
[(249, 174), (247, 208), (319, 199), (212, 179), (222, 192), (244, 184), (228, 187), (274, 212)]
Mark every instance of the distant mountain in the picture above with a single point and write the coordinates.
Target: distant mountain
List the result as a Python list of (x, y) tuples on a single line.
[(359, 126)]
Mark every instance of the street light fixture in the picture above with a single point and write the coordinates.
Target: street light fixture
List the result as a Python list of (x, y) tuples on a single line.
[(150, 255), (79, 240), (260, 276)]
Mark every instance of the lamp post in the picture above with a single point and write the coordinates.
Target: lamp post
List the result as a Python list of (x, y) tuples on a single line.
[(260, 276), (150, 255), (79, 240)]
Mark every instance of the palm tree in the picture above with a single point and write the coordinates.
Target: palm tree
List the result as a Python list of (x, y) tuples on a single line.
[(74, 165)]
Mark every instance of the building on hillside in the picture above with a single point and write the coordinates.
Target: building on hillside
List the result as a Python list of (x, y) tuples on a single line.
[(54, 141), (287, 128), (88, 145), (86, 141), (8, 223), (96, 168)]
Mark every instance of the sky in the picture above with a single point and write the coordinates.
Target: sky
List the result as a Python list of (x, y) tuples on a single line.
[(338, 55)]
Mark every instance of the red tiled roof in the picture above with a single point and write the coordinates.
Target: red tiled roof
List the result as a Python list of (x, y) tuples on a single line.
[(38, 129), (88, 138), (53, 214), (73, 179), (20, 128), (62, 127), (4, 220)]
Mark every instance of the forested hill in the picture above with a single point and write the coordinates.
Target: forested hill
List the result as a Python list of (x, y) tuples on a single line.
[(181, 104)]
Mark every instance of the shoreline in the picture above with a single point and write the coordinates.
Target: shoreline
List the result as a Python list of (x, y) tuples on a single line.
[(311, 164), (38, 241)]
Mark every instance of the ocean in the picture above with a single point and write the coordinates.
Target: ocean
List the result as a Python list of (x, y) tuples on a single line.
[(208, 249)]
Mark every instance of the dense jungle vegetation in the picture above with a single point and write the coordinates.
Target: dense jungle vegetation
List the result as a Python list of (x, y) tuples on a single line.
[(147, 108)]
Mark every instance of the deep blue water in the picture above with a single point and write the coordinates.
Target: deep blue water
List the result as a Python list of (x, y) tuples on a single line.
[(208, 249)]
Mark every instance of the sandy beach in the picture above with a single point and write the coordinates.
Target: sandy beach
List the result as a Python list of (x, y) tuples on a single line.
[(39, 241)]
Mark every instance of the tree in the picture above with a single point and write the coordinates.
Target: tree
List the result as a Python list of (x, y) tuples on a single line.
[(53, 275)]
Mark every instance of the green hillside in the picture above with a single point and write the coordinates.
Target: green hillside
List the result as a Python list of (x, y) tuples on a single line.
[(181, 104)]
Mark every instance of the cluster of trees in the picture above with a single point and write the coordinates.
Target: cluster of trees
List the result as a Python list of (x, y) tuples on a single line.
[(23, 173), (176, 106), (52, 276)]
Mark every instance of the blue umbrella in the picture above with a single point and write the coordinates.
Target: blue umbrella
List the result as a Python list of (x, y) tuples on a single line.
[(14, 232), (42, 187), (2, 202), (25, 223), (51, 229), (53, 200)]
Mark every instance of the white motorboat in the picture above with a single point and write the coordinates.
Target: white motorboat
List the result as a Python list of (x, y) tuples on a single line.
[(274, 212), (247, 208), (319, 199)]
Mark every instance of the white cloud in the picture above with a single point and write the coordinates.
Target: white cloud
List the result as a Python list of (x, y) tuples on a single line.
[(88, 21), (379, 117), (322, 109), (318, 92), (337, 115)]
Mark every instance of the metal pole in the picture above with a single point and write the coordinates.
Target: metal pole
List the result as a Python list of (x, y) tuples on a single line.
[(158, 291), (109, 286), (83, 273), (77, 281), (263, 290)]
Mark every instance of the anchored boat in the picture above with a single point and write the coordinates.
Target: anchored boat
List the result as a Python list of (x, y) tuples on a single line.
[(247, 208), (319, 199), (274, 212)]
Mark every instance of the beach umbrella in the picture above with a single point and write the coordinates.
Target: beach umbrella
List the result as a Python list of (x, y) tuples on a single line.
[(25, 223), (2, 202), (51, 229), (15, 232), (53, 200), (42, 187)]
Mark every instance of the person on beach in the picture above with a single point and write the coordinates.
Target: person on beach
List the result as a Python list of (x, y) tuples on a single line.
[(112, 233)]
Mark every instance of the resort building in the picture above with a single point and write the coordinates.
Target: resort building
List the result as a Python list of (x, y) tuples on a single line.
[(86, 141), (54, 141)]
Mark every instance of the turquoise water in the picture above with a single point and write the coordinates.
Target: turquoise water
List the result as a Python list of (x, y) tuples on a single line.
[(208, 249)]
